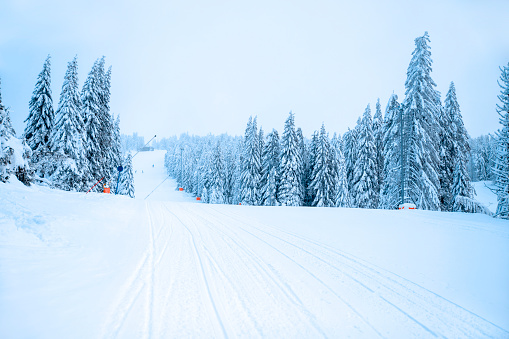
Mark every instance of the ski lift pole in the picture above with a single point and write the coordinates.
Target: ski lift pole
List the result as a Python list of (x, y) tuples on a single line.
[(95, 184), (120, 169), (145, 145)]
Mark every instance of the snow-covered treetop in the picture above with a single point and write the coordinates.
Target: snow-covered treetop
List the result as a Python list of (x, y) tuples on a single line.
[(41, 116), (504, 93), (419, 84)]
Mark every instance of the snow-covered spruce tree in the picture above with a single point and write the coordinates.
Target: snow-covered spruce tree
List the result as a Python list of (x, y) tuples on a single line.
[(98, 123), (462, 191), (454, 147), (202, 172), (350, 151), (14, 152), (40, 120), (216, 178), (236, 197), (90, 107), (261, 183), (378, 136), (106, 120), (483, 150), (231, 164), (251, 165), (270, 169), (309, 162), (289, 192), (365, 169), (66, 138), (303, 166), (116, 146), (342, 198), (501, 168), (322, 183), (421, 111), (390, 192), (126, 178)]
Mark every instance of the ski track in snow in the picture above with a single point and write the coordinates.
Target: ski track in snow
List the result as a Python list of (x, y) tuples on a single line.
[(448, 317), (208, 273)]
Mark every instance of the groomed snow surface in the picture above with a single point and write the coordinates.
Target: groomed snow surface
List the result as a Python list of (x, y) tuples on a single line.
[(104, 266)]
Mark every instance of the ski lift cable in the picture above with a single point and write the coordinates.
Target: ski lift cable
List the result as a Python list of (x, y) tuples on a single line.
[(144, 145), (157, 187)]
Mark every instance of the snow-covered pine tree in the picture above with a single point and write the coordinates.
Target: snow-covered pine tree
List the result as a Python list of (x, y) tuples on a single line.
[(309, 162), (501, 168), (342, 198), (106, 120), (270, 169), (7, 128), (202, 172), (390, 192), (350, 151), (421, 130), (261, 183), (236, 197), (322, 182), (378, 136), (90, 112), (289, 192), (230, 171), (460, 150), (66, 138), (216, 179), (126, 178), (14, 153), (251, 165), (40, 120), (447, 148), (303, 165), (365, 168), (483, 149), (116, 143)]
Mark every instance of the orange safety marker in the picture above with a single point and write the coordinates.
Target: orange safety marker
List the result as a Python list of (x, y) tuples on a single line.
[(181, 189), (106, 189), (198, 198)]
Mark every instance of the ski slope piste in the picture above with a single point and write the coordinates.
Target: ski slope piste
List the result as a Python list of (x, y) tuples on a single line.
[(105, 266)]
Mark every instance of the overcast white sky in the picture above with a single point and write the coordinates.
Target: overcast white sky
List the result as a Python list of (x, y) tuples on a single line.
[(206, 66)]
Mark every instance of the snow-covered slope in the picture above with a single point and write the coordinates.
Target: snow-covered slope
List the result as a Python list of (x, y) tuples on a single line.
[(485, 194), (102, 266), (149, 178)]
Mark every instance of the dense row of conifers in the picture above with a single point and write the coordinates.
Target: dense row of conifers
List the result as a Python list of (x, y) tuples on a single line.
[(363, 168)]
